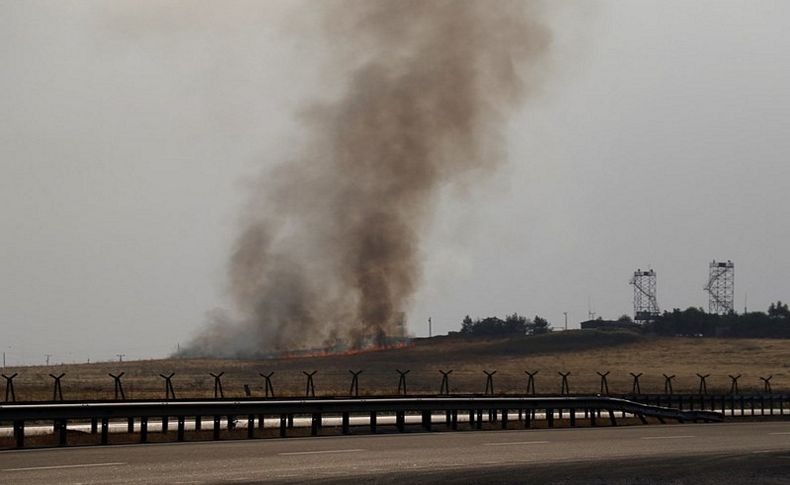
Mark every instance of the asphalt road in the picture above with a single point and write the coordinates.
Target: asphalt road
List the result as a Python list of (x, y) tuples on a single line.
[(699, 454)]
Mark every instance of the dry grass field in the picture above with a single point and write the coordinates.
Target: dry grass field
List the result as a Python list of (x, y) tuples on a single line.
[(581, 353)]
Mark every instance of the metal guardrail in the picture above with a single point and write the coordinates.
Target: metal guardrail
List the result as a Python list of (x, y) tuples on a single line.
[(60, 413)]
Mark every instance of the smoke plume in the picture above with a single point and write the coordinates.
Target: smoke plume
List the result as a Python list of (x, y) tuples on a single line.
[(330, 243)]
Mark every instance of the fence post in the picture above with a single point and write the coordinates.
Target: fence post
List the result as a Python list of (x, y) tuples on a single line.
[(57, 390), (169, 391), (767, 384), (444, 389), (489, 382), (635, 388), (531, 381), (668, 384), (268, 388), (354, 390), (10, 394), (217, 385), (565, 388), (604, 382), (402, 381), (734, 383), (703, 386), (118, 386), (309, 390)]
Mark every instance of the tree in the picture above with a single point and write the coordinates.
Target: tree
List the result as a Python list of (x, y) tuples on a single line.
[(492, 326), (540, 325), (779, 310), (467, 324)]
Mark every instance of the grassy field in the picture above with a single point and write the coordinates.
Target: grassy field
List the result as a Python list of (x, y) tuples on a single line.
[(581, 353)]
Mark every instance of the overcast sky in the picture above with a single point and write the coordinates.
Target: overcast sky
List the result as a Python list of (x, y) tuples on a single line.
[(127, 130)]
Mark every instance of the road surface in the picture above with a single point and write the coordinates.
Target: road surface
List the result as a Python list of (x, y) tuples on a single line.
[(695, 453)]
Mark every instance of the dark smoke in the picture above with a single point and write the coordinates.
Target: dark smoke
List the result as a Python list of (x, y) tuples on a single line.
[(330, 245)]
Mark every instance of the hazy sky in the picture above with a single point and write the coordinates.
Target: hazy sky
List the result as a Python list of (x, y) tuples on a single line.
[(661, 139)]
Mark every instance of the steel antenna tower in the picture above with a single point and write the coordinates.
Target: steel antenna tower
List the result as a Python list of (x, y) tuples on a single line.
[(721, 287), (645, 302)]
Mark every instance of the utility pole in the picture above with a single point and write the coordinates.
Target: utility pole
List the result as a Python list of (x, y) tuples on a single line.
[(120, 357), (566, 320), (430, 328), (48, 356), (3, 360)]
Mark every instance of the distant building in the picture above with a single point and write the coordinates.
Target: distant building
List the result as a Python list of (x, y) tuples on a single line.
[(609, 325)]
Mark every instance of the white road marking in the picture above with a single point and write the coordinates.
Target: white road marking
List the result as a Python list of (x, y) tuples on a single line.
[(516, 443), (57, 467), (666, 437), (319, 452), (783, 432)]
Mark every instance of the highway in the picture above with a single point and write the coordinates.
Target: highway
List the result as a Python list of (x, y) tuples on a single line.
[(757, 452)]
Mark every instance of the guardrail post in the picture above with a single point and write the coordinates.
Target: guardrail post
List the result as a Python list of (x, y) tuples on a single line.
[(217, 385), (63, 429), (402, 381), (668, 383), (592, 418), (315, 424), (479, 420), (260, 421), (612, 419), (504, 418), (19, 433), (169, 391), (165, 424), (641, 418), (635, 387), (400, 421), (118, 387), (489, 382), (309, 390), (444, 389), (528, 418), (604, 382), (180, 429), (454, 420), (57, 390), (354, 390), (550, 417), (105, 430), (130, 425), (471, 418), (373, 421), (426, 420), (734, 383), (10, 394), (531, 381), (572, 412), (703, 385), (268, 388), (283, 425), (143, 430), (251, 426), (345, 428), (290, 421), (198, 423), (215, 428)]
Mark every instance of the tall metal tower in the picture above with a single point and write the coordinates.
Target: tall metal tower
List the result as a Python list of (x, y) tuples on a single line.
[(721, 287), (645, 302)]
